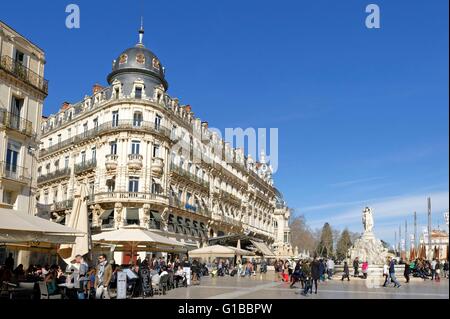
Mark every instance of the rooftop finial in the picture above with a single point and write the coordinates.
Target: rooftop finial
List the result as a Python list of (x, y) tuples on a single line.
[(141, 32)]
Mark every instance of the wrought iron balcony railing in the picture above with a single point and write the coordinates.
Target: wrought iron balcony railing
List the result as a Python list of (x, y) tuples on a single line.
[(128, 196), (63, 205), (85, 166), (112, 126), (23, 73), (182, 172), (15, 122), (14, 172), (65, 172), (175, 202)]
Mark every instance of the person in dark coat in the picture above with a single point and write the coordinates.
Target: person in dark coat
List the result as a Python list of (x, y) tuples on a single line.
[(346, 273), (356, 267), (315, 272), (407, 271)]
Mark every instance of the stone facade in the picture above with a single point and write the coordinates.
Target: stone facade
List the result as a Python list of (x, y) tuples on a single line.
[(148, 161), (22, 93)]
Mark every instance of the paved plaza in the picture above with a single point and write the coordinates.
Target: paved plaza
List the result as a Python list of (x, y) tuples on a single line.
[(264, 286)]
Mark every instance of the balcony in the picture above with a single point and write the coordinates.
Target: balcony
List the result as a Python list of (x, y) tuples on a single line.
[(134, 197), (111, 162), (175, 202), (227, 220), (23, 73), (105, 128), (157, 167), (85, 166), (135, 162), (62, 173), (16, 123), (230, 198), (175, 169), (63, 205), (15, 173)]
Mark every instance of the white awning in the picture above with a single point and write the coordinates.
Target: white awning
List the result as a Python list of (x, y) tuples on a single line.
[(263, 249), (212, 252), (19, 227)]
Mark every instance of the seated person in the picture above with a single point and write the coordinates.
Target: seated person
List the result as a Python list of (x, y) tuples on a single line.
[(51, 281), (179, 275)]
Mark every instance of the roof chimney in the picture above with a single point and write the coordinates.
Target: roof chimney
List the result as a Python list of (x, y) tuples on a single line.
[(65, 106), (96, 88)]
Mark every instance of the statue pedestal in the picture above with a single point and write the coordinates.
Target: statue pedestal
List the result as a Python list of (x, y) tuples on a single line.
[(368, 248)]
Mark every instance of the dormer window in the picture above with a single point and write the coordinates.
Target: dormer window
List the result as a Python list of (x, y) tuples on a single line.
[(123, 59), (155, 63), (138, 93), (140, 58), (116, 93)]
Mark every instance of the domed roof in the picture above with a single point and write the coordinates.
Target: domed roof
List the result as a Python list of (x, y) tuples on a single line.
[(138, 59)]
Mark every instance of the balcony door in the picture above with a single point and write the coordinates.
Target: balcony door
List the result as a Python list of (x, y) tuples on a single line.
[(12, 157), (133, 185), (20, 64), (115, 118), (16, 111), (135, 147)]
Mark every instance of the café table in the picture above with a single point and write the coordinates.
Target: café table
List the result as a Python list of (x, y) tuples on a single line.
[(14, 289), (64, 288)]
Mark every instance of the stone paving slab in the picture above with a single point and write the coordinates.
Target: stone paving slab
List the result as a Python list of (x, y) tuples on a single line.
[(264, 287)]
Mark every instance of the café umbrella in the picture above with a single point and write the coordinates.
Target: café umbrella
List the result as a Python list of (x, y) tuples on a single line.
[(135, 239), (25, 230), (79, 220)]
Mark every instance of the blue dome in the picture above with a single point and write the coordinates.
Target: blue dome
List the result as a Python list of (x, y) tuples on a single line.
[(138, 60)]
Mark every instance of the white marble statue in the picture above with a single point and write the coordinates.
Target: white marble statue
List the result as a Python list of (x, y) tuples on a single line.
[(368, 248), (367, 220)]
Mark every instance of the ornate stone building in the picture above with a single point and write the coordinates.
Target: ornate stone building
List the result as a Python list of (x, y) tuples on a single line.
[(22, 93), (148, 161)]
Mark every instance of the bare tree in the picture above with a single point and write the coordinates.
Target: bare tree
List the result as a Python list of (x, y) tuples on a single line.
[(302, 235)]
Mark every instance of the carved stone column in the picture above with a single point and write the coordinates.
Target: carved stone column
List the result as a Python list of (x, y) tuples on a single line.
[(164, 217), (96, 212), (145, 216), (118, 215)]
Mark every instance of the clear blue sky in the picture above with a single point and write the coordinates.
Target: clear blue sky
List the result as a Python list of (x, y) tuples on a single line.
[(362, 114)]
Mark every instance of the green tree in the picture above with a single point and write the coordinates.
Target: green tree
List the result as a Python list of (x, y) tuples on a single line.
[(343, 245), (325, 247)]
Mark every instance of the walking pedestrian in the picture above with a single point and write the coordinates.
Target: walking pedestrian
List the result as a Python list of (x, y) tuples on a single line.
[(306, 280), (356, 267), (392, 273), (346, 273), (433, 269), (315, 272), (407, 271), (386, 274), (365, 269), (445, 269), (103, 278), (330, 268)]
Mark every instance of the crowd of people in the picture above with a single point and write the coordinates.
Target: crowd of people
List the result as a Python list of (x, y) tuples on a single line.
[(81, 281), (309, 272)]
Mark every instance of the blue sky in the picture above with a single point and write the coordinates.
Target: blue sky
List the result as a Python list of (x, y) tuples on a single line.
[(362, 114)]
